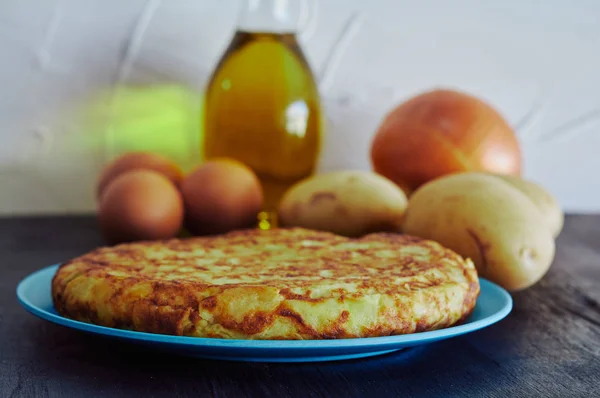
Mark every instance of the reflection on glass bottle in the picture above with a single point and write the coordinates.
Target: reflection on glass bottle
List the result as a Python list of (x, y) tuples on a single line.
[(262, 103)]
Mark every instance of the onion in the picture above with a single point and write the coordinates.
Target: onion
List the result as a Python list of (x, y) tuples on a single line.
[(442, 132)]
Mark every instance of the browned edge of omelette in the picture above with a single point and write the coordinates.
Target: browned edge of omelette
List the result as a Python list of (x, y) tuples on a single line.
[(147, 302)]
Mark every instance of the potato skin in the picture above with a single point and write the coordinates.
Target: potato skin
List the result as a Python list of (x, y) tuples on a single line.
[(349, 203), (488, 220), (546, 203)]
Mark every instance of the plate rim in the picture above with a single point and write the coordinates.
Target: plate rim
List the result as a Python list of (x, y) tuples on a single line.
[(379, 342)]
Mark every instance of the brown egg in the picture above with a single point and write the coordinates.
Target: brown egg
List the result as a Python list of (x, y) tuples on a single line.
[(135, 161), (140, 205), (220, 196)]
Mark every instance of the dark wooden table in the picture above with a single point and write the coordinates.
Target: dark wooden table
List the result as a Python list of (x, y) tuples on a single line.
[(548, 346)]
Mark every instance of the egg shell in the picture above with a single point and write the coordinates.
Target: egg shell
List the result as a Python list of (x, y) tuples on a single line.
[(140, 205), (136, 161), (221, 196)]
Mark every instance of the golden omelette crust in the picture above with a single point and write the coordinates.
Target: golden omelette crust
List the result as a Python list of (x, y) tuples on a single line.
[(279, 284)]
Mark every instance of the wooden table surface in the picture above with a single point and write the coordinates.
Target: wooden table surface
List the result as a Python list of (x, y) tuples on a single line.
[(548, 346)]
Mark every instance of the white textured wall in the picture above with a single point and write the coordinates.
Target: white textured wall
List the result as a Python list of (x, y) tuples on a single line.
[(537, 61)]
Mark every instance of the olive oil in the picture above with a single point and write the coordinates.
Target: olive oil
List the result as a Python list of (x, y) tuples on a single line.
[(262, 108)]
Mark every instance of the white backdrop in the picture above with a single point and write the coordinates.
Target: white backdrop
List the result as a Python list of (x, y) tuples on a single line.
[(536, 61)]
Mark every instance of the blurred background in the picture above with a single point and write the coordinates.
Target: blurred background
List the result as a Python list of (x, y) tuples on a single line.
[(84, 79)]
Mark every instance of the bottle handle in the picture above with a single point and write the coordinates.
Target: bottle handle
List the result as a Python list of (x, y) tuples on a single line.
[(308, 19)]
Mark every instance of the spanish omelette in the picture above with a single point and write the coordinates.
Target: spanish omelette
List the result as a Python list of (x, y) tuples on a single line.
[(278, 284)]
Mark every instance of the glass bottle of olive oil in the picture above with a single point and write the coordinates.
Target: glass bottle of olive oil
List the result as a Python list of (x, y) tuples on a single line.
[(262, 103)]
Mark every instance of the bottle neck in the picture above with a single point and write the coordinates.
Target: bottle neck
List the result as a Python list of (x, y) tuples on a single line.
[(271, 16)]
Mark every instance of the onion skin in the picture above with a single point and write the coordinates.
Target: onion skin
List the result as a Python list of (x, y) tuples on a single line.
[(443, 132)]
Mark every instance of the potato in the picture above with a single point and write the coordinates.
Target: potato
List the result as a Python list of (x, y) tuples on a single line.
[(349, 203), (487, 220), (545, 202)]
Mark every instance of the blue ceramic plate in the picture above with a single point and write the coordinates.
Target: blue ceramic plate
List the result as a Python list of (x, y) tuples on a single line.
[(494, 304)]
